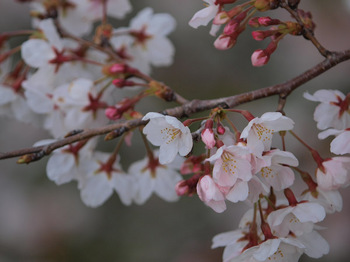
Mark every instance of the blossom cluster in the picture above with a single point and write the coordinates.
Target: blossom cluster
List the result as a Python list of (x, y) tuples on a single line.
[(235, 20)]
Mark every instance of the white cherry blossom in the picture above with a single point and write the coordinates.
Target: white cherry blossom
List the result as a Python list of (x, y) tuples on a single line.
[(168, 133), (330, 200), (99, 181), (204, 16), (298, 219), (330, 113), (64, 164), (39, 52), (146, 39), (335, 173), (259, 131), (78, 18), (340, 145), (151, 177), (275, 174)]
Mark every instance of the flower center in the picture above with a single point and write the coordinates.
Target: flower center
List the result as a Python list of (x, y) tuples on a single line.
[(263, 133), (229, 164), (170, 134)]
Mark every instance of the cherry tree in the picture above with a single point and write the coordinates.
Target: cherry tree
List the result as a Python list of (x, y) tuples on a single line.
[(89, 82)]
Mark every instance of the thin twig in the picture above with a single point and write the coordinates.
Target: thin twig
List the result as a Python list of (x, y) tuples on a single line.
[(307, 33)]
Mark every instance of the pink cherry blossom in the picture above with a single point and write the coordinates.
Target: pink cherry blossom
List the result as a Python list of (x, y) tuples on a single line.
[(231, 164), (210, 194)]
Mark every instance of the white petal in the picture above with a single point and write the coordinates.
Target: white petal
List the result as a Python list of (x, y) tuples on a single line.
[(37, 52), (161, 24), (60, 168), (6, 95), (142, 18), (309, 212), (167, 152), (328, 132), (96, 190), (239, 192), (227, 238), (165, 183), (161, 51), (51, 33), (203, 17), (316, 245), (341, 144)]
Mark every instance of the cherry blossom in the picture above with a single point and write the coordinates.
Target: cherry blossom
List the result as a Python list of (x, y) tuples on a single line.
[(330, 200), (101, 179), (77, 16), (168, 133), (145, 40), (230, 164), (12, 100), (151, 177), (333, 111), (335, 173), (39, 52), (259, 130), (64, 165), (204, 16), (276, 174), (298, 219), (340, 145), (210, 194)]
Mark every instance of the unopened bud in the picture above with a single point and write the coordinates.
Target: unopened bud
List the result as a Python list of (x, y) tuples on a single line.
[(182, 188), (122, 83), (220, 129)]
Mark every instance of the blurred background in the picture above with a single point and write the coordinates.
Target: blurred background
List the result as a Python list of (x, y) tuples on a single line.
[(42, 222)]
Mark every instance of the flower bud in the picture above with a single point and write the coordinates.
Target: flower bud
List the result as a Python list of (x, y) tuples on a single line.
[(208, 138), (260, 58), (223, 42), (220, 129), (118, 82)]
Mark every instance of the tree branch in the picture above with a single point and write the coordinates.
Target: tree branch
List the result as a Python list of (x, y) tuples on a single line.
[(190, 108)]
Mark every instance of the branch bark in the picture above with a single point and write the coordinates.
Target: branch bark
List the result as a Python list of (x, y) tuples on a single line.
[(189, 108)]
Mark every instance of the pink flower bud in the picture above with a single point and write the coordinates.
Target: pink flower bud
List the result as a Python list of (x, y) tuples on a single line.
[(220, 129), (221, 18), (259, 58), (267, 21), (113, 113), (182, 188), (118, 68), (231, 27), (224, 42), (208, 138), (254, 22)]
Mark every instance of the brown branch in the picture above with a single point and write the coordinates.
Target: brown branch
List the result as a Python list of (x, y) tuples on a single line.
[(191, 107)]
